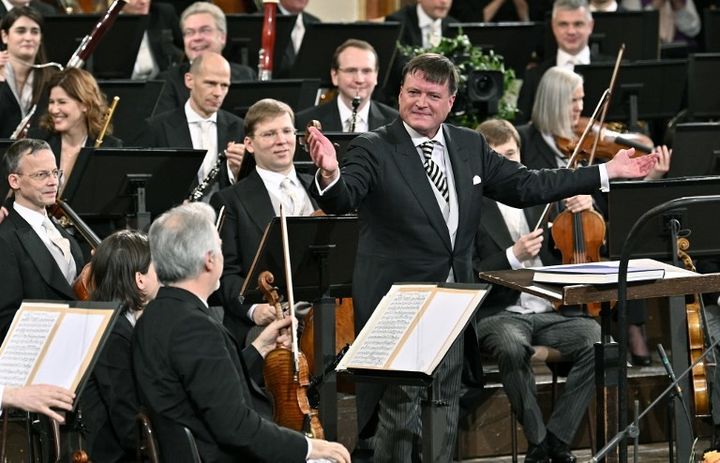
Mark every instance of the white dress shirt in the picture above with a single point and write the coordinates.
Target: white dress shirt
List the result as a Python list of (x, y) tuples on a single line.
[(569, 61), (362, 119), (431, 28)]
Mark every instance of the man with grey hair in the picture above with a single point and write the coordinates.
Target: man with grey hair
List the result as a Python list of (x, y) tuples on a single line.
[(189, 370), (203, 27), (572, 24)]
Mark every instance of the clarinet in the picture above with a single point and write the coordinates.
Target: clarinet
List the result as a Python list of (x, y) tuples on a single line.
[(355, 105), (199, 191)]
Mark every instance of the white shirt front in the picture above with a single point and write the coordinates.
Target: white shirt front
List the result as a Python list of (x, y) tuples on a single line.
[(431, 28), (362, 117), (207, 142), (569, 61), (272, 181)]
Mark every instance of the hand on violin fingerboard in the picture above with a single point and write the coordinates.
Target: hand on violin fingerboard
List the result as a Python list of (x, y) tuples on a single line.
[(273, 335), (263, 314)]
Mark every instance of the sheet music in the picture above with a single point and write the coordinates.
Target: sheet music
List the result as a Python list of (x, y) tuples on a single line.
[(23, 348)]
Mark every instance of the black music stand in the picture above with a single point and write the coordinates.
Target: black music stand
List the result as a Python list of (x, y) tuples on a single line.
[(644, 89), (322, 253), (114, 57), (297, 93), (516, 42), (138, 184), (628, 203), (244, 32), (711, 29), (703, 70), (321, 40), (138, 99), (341, 140), (696, 149)]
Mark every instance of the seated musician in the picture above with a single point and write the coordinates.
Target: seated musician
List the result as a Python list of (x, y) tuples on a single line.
[(509, 323), (21, 86), (121, 271), (190, 370), (354, 71), (555, 115), (6, 6), (200, 123), (39, 260), (37, 398), (251, 203), (302, 21), (74, 118), (204, 28)]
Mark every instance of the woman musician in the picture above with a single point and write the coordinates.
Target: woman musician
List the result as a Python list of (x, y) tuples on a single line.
[(22, 82), (75, 117), (556, 117)]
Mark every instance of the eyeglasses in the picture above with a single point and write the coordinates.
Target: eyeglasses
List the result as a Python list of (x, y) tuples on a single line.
[(43, 175), (205, 30), (271, 135), (355, 71)]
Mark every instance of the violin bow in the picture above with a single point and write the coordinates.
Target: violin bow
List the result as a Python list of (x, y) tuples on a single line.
[(603, 113), (289, 283)]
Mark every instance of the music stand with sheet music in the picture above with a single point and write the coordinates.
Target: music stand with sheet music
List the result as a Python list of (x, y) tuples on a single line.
[(514, 41), (115, 55), (321, 39), (703, 71), (296, 93), (138, 99), (322, 254), (244, 32), (644, 89), (138, 184), (696, 150)]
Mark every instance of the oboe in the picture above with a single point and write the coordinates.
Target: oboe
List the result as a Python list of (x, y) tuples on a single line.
[(199, 191), (355, 105)]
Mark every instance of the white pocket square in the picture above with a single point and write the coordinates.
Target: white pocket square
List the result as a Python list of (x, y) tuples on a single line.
[(476, 180)]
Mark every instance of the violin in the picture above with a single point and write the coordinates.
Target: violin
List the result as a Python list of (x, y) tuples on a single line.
[(696, 338), (286, 372), (609, 141)]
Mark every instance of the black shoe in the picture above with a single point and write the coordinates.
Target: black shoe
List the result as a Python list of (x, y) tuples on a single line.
[(558, 451), (537, 453), (640, 360)]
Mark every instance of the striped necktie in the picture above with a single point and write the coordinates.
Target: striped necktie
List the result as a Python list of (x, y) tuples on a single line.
[(437, 177)]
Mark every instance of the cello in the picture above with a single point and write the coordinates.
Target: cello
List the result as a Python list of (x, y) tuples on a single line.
[(286, 372)]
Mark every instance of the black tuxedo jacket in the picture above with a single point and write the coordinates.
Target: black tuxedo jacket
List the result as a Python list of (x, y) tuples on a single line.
[(190, 370), (10, 114), (170, 130), (329, 116), (55, 141), (174, 94), (43, 8), (403, 235), (288, 59), (526, 97), (411, 33), (164, 35), (109, 401), (28, 270), (248, 210)]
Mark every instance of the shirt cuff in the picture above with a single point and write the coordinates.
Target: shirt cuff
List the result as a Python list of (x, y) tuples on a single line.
[(515, 264), (307, 456), (250, 312), (604, 179), (317, 182), (2, 391)]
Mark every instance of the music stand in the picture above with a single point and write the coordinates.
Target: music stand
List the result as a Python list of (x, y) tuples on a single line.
[(114, 57), (138, 99), (711, 26), (321, 40), (644, 89), (134, 183), (703, 70), (244, 32), (628, 200), (514, 41), (696, 150), (297, 93), (341, 140), (322, 253)]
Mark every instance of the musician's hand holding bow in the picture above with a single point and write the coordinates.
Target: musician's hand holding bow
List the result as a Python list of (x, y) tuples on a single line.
[(625, 166), (234, 154), (322, 153)]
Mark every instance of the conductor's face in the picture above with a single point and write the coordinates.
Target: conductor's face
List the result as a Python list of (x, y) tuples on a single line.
[(424, 105), (36, 180), (200, 33), (273, 143)]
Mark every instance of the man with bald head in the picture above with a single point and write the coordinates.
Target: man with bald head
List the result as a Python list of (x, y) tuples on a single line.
[(200, 123)]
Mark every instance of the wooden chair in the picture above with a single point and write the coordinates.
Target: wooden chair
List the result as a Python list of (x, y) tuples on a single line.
[(165, 441), (147, 446)]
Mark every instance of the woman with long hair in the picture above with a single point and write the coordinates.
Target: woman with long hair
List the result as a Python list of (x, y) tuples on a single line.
[(121, 271), (22, 80), (75, 116)]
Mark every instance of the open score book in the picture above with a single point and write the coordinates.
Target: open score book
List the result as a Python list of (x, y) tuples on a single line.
[(413, 327)]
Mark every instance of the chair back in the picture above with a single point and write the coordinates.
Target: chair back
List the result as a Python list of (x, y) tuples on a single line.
[(171, 442)]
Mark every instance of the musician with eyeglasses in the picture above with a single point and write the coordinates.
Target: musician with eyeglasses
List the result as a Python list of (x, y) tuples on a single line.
[(38, 259), (354, 71), (22, 82)]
